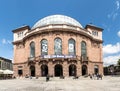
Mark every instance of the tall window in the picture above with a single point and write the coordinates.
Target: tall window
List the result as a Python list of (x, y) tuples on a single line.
[(71, 46), (83, 49), (44, 47), (58, 46), (32, 49)]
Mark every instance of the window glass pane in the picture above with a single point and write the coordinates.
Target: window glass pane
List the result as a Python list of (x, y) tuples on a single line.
[(44, 47), (71, 47), (58, 46), (32, 49), (83, 49)]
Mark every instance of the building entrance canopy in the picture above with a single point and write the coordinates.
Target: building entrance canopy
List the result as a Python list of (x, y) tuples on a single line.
[(6, 71)]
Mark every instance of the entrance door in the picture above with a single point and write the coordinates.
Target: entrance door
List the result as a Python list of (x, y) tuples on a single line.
[(84, 70), (96, 69), (20, 72), (58, 70), (44, 70), (32, 70), (72, 70)]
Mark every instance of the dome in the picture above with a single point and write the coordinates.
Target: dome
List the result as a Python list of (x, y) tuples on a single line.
[(57, 19)]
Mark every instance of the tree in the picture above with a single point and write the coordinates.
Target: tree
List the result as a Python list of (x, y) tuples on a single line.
[(118, 63)]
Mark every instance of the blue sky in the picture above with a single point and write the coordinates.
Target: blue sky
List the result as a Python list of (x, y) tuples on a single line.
[(102, 13)]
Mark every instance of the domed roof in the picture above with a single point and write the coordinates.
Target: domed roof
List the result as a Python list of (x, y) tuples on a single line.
[(57, 19)]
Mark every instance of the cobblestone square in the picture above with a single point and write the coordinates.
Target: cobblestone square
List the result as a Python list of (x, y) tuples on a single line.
[(56, 84)]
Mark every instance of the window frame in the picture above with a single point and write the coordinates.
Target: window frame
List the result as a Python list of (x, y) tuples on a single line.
[(32, 49), (41, 43), (58, 45), (72, 41)]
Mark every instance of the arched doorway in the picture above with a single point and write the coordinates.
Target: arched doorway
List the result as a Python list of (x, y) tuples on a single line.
[(44, 70), (96, 69), (58, 70), (84, 70), (72, 70), (32, 70)]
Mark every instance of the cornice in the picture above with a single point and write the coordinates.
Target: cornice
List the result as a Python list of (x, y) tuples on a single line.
[(46, 30)]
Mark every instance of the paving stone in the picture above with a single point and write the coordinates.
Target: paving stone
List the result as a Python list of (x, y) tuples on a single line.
[(55, 84)]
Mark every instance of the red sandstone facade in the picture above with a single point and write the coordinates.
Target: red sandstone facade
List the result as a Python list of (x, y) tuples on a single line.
[(53, 64)]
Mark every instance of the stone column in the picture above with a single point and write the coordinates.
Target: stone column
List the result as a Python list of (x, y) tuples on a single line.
[(26, 70), (78, 69), (65, 69), (37, 69), (15, 69), (50, 68)]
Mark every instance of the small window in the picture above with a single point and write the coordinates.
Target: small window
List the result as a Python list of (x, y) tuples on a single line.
[(95, 33), (20, 34), (19, 66)]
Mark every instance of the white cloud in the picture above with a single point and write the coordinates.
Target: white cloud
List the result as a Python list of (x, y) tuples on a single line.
[(4, 41), (117, 4), (113, 15), (111, 60), (111, 49), (118, 33)]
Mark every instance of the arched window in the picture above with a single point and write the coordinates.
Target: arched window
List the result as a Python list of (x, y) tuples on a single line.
[(58, 46), (32, 49), (83, 49), (44, 47), (71, 46)]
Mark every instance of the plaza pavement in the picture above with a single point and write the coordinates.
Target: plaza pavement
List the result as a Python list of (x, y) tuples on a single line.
[(55, 84)]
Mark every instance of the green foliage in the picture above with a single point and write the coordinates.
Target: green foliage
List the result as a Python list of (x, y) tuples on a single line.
[(118, 63)]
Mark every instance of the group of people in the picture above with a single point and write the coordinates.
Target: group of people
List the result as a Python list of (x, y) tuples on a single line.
[(95, 76), (92, 76)]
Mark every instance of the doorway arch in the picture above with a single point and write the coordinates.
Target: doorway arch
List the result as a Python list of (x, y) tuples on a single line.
[(58, 70), (44, 70), (32, 71), (84, 70), (96, 69), (72, 70)]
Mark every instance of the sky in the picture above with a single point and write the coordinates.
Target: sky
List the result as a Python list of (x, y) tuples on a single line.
[(102, 13)]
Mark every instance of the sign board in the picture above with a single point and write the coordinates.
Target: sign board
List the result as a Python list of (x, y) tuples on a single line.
[(58, 56)]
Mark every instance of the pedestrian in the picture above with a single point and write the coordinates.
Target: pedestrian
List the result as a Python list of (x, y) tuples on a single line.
[(30, 77), (93, 75), (101, 76), (97, 76), (47, 78), (90, 76)]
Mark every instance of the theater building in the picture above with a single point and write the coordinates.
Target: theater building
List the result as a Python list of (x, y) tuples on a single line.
[(57, 45)]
